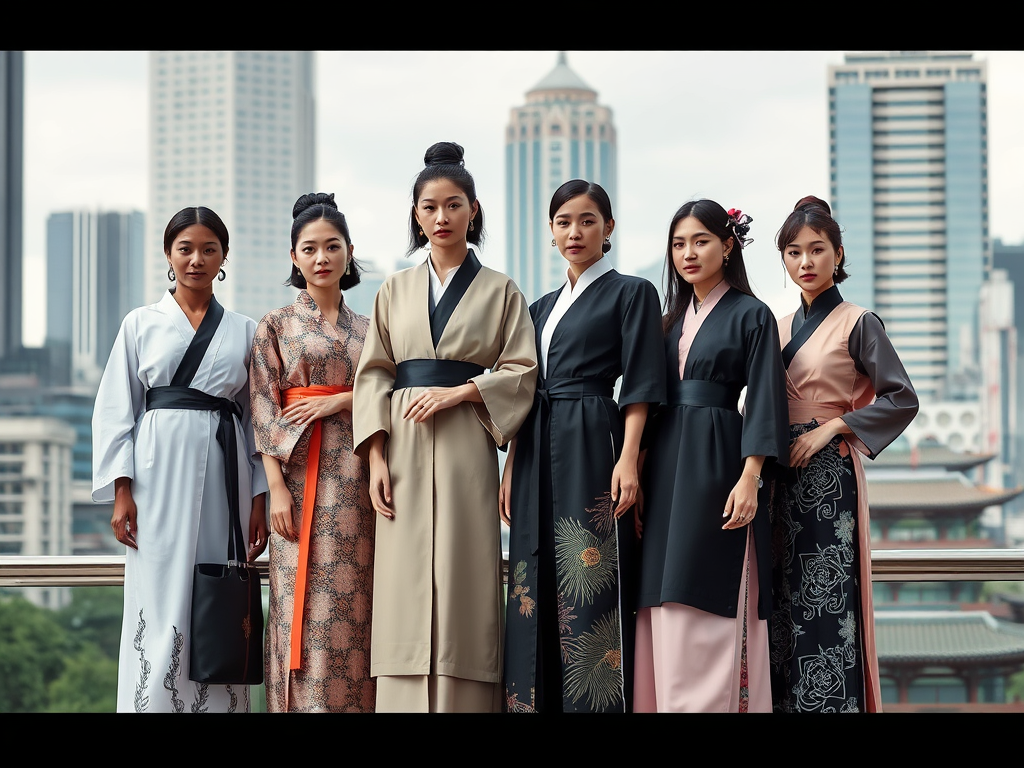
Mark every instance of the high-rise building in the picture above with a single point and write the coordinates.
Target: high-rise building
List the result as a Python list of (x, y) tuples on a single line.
[(561, 133), (12, 120), (94, 267), (233, 131), (909, 184)]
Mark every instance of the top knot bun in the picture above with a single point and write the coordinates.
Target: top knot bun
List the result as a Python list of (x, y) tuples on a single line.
[(314, 198), (444, 153), (810, 201)]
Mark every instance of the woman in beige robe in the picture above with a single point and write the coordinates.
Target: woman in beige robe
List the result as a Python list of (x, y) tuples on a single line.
[(447, 374)]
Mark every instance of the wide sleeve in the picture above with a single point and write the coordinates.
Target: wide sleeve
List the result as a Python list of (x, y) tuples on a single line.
[(895, 405), (243, 397), (765, 408), (375, 377), (274, 435), (120, 402), (643, 367), (508, 388)]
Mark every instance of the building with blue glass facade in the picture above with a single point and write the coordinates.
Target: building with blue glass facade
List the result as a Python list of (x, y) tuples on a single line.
[(909, 185), (561, 133)]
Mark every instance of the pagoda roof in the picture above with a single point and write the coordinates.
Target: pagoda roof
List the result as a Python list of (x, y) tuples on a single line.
[(929, 455), (952, 493), (943, 637), (561, 78)]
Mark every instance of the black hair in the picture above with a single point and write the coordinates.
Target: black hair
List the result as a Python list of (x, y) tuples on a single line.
[(813, 212), (443, 160), (678, 292), (573, 189), (191, 216), (314, 207)]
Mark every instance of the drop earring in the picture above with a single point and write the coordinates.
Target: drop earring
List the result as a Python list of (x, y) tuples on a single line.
[(222, 275), (170, 274), (553, 243)]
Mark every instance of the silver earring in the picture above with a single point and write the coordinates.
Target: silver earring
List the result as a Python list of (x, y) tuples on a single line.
[(222, 275), (471, 225), (553, 243), (348, 267), (170, 274), (835, 272)]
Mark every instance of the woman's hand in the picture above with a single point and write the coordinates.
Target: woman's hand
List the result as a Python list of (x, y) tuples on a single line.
[(434, 399), (258, 534), (380, 478), (742, 503), (804, 448), (282, 513), (625, 482), (124, 521), (309, 409)]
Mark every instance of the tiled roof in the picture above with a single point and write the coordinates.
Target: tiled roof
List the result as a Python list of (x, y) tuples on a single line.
[(933, 493), (929, 456), (943, 637)]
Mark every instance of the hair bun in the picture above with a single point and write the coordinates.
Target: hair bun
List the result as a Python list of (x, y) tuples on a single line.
[(444, 153), (810, 201), (313, 198)]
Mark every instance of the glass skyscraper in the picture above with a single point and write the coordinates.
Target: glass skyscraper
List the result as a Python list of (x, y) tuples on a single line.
[(234, 131), (909, 186), (561, 133)]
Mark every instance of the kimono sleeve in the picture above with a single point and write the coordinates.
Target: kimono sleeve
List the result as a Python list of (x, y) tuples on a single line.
[(765, 408), (643, 376), (273, 434), (120, 402), (374, 378), (508, 388), (243, 397), (895, 405)]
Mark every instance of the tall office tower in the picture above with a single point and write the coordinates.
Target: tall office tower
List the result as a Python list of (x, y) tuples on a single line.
[(233, 131), (12, 119), (909, 184), (561, 133), (94, 267)]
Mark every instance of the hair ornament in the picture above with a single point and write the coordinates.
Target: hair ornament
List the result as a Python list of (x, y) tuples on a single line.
[(739, 223)]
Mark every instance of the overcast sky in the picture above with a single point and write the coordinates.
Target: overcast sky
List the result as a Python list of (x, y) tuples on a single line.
[(749, 130)]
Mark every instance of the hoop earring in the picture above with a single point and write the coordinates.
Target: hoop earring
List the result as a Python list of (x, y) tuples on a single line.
[(553, 243), (222, 275), (170, 274)]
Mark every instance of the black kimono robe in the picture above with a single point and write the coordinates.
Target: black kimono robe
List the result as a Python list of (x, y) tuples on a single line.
[(570, 618), (695, 456)]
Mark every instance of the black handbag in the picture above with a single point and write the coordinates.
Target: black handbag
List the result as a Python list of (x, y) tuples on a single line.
[(226, 637)]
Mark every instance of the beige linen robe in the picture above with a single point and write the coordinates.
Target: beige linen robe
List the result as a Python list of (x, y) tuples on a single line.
[(440, 558)]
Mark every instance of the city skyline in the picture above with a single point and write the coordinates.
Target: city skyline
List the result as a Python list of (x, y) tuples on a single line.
[(757, 140)]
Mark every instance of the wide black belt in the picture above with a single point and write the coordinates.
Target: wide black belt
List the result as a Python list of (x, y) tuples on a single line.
[(548, 390), (703, 394), (429, 372), (189, 399)]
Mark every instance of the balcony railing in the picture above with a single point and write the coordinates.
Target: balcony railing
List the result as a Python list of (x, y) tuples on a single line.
[(886, 565)]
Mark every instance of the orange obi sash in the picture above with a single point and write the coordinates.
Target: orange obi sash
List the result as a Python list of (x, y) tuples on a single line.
[(802, 411), (293, 395)]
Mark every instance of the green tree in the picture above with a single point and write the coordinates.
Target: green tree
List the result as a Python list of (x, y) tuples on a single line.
[(33, 647), (87, 684), (94, 616)]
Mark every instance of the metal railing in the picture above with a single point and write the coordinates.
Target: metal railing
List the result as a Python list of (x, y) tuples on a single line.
[(886, 565)]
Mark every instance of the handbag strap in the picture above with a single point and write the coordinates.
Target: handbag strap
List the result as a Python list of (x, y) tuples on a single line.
[(196, 351)]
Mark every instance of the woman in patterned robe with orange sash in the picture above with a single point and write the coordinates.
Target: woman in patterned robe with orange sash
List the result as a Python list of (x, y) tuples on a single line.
[(321, 550)]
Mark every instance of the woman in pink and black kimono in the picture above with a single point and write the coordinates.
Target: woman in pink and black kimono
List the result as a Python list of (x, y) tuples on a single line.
[(848, 394)]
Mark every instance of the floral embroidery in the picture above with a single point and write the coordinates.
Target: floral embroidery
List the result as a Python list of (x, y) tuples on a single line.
[(174, 670), (565, 619), (582, 576), (202, 698), (141, 699), (595, 671), (519, 592), (602, 514)]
